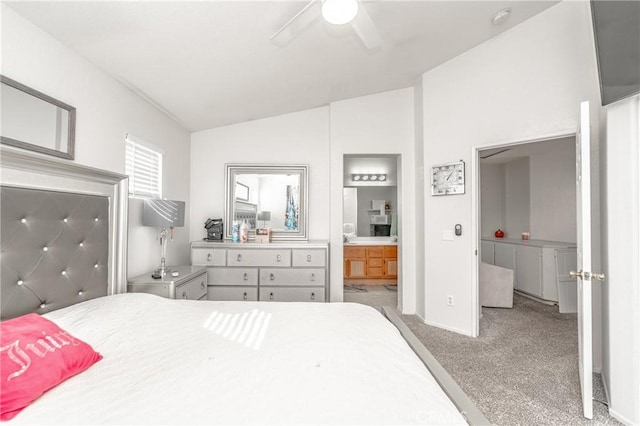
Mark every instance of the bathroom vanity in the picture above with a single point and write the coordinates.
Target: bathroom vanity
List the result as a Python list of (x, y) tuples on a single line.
[(370, 258)]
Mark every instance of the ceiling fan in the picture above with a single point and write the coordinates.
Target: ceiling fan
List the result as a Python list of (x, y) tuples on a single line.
[(336, 12)]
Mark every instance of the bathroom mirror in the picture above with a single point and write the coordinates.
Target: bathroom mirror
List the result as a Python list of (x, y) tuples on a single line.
[(34, 121), (267, 196)]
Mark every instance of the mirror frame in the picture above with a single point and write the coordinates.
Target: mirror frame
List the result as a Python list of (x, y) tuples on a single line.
[(231, 170), (68, 154)]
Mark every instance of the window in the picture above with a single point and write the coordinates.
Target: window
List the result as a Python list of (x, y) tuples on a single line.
[(144, 167)]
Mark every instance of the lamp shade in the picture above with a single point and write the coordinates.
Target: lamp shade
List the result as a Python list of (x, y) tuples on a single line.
[(163, 213)]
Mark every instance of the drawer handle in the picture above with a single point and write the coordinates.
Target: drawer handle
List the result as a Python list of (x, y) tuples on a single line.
[(184, 294), (313, 296), (313, 277), (202, 286), (245, 295), (246, 277), (308, 258), (278, 258), (271, 296), (272, 277), (208, 257)]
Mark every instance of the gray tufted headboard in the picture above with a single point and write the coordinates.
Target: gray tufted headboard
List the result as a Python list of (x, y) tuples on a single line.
[(63, 232), (54, 249)]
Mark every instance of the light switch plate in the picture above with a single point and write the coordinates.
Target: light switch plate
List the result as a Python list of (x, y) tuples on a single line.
[(447, 235)]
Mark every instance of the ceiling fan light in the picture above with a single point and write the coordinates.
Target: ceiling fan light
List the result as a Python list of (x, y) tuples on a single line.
[(339, 12)]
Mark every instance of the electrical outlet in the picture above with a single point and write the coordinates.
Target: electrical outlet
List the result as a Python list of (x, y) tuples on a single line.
[(449, 300)]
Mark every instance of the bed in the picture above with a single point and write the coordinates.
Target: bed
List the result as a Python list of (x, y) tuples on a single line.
[(162, 361)]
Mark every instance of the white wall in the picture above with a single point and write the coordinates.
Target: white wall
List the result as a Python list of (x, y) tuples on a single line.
[(106, 111), (368, 193), (525, 84), (553, 192), (376, 124), (516, 197), (421, 188), (492, 192), (297, 138), (621, 313)]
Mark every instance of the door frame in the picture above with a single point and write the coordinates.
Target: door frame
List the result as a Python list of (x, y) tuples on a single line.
[(475, 213)]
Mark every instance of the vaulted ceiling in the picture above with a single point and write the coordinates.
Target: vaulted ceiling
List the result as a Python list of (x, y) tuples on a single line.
[(212, 63)]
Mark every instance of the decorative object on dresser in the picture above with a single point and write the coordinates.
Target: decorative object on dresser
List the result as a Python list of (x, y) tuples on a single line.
[(190, 282), (263, 235), (275, 193), (214, 229), (36, 122), (279, 271), (163, 214)]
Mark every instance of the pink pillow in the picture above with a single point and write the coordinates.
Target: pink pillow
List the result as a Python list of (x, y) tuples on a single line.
[(35, 356)]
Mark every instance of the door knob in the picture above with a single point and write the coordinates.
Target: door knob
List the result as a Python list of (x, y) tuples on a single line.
[(574, 274)]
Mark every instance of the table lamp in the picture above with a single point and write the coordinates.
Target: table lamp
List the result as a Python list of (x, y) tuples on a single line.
[(166, 215)]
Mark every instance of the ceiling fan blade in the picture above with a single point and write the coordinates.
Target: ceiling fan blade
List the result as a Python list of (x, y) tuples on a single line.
[(298, 23), (365, 28)]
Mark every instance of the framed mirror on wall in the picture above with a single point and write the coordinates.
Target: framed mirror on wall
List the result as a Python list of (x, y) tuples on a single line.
[(36, 122), (267, 196)]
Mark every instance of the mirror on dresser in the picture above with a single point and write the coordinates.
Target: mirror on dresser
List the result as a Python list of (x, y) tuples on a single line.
[(267, 196)]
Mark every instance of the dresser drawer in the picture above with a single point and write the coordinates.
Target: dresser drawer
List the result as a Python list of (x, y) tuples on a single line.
[(208, 256), (293, 294), (308, 257), (232, 293), (259, 257), (232, 276), (288, 277), (193, 289)]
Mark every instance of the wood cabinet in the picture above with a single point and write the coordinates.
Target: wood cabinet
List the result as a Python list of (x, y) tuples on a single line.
[(371, 261), (271, 272), (355, 262)]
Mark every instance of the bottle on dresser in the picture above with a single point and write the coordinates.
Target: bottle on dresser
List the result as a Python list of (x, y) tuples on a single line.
[(244, 231)]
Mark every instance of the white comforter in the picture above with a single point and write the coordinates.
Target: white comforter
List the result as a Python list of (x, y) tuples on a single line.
[(201, 362)]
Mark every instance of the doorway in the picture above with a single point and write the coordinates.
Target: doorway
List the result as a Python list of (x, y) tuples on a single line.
[(370, 229), (527, 223)]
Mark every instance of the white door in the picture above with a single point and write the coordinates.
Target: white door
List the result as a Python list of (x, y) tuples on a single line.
[(584, 274)]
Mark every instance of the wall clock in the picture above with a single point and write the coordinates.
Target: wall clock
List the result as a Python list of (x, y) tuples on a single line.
[(447, 179)]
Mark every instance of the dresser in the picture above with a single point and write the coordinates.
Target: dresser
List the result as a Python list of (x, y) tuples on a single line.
[(190, 283), (277, 271)]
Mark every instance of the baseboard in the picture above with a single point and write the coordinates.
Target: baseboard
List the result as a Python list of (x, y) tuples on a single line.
[(620, 417), (613, 412), (606, 388), (448, 328)]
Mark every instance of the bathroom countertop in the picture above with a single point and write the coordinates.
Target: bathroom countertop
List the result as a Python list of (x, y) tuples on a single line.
[(370, 241)]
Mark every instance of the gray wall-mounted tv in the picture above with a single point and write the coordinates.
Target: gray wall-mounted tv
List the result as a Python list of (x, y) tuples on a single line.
[(616, 25)]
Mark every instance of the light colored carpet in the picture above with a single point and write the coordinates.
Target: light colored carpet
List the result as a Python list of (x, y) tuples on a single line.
[(522, 370)]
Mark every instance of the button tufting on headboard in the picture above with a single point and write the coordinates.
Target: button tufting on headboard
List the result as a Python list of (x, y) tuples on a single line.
[(52, 244)]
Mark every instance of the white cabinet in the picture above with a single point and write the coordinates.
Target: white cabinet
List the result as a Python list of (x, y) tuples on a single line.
[(505, 256), (539, 267), (529, 269), (487, 252), (266, 272)]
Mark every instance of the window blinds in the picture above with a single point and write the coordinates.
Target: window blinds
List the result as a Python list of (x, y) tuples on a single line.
[(144, 167)]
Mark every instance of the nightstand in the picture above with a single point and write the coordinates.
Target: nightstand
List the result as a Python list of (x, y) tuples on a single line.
[(191, 283)]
